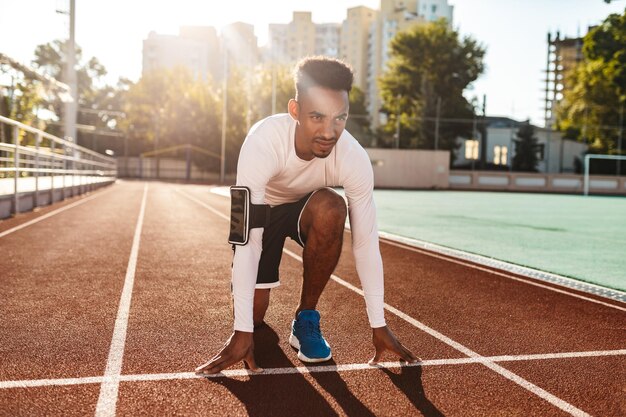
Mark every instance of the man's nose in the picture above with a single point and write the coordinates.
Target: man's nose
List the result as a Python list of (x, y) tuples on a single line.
[(329, 130)]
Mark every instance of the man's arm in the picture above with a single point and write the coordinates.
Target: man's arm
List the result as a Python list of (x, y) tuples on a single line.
[(256, 165), (359, 187)]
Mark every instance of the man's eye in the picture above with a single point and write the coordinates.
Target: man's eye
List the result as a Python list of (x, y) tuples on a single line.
[(316, 117), (342, 118)]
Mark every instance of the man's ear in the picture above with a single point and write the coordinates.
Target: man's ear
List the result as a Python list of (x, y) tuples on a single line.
[(294, 109)]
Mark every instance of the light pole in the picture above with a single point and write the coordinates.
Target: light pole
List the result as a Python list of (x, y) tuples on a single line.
[(71, 105), (224, 117)]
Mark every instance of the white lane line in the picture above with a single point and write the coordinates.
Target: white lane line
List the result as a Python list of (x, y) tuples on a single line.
[(502, 274), (540, 392), (203, 204), (110, 384), (52, 213), (310, 369)]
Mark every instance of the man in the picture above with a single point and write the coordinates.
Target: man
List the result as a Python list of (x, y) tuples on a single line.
[(287, 161)]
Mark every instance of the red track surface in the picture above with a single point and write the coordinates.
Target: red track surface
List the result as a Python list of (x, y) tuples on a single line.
[(62, 278)]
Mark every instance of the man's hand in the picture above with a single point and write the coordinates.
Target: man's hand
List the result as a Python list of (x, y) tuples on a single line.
[(383, 340), (240, 346)]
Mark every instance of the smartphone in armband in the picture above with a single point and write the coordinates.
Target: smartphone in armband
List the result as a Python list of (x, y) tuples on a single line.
[(239, 215)]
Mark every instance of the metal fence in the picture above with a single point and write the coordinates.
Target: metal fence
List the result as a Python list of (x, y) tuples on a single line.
[(32, 160)]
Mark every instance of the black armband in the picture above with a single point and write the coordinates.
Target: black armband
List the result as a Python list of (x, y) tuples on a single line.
[(244, 215)]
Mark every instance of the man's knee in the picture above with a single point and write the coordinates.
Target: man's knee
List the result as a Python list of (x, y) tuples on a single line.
[(326, 211)]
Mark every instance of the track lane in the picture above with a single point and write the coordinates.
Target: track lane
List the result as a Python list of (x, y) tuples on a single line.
[(60, 282), (184, 243)]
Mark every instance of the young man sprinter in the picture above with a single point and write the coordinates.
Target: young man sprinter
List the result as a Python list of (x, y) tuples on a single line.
[(287, 162)]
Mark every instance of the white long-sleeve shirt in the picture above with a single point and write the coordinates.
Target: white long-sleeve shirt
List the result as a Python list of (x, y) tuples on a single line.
[(269, 167)]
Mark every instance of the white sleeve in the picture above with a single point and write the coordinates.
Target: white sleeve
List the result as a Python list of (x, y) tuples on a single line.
[(256, 165), (359, 187)]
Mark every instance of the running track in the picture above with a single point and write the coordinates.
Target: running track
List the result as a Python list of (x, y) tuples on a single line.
[(110, 300)]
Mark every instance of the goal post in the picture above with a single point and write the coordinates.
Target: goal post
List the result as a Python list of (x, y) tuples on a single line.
[(588, 159)]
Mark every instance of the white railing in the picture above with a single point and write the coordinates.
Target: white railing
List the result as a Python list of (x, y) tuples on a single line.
[(49, 163)]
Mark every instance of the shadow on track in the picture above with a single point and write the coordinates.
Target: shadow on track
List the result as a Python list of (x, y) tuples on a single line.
[(409, 381), (337, 388), (276, 395)]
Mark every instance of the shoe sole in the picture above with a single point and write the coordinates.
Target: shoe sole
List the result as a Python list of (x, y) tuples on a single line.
[(295, 343)]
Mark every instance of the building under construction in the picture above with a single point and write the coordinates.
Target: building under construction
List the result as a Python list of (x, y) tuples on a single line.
[(563, 56)]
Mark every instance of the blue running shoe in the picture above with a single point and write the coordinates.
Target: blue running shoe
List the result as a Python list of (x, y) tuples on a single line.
[(306, 336)]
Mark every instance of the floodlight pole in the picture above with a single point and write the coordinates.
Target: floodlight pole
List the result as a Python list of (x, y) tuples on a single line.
[(224, 117), (71, 106)]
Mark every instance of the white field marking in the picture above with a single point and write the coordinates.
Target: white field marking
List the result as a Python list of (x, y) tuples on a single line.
[(211, 209), (540, 392), (52, 213), (502, 274), (223, 191), (110, 383), (310, 369)]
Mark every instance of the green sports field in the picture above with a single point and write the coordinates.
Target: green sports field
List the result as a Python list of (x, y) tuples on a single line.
[(575, 236)]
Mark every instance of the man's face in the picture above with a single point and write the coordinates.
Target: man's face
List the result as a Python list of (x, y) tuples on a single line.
[(321, 114)]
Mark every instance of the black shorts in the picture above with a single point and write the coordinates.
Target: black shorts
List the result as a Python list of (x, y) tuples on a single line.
[(284, 221)]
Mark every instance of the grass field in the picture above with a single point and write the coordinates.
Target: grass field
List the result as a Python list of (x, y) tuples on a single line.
[(575, 236)]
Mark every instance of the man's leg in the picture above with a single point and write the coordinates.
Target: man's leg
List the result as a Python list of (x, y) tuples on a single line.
[(321, 228), (261, 302)]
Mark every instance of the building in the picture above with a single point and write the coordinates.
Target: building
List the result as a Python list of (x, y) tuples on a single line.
[(355, 42), (327, 39), (555, 154), (241, 43), (395, 16), (196, 48), (296, 39), (563, 56)]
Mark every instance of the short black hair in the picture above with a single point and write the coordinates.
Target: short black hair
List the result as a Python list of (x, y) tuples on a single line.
[(324, 72)]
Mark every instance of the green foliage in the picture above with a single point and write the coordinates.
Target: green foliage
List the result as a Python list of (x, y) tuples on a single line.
[(358, 123), (50, 59), (261, 103), (590, 110), (166, 108), (526, 149), (429, 62)]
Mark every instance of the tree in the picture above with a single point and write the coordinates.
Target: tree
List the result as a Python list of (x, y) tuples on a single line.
[(526, 149), (50, 59), (166, 108), (358, 123), (590, 110), (261, 103), (430, 67)]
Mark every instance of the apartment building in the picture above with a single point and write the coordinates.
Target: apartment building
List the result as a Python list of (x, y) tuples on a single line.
[(196, 47), (291, 41), (355, 42), (395, 16), (239, 40)]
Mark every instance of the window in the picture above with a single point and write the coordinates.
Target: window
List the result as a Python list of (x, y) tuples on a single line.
[(471, 149), (500, 155), (541, 151)]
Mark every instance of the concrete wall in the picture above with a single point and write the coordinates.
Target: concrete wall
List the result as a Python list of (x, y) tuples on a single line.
[(27, 201), (403, 168), (535, 182)]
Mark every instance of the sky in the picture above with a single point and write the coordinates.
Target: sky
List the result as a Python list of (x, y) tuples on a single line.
[(514, 33)]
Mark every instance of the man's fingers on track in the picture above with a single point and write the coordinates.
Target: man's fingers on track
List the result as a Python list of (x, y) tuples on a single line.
[(249, 360), (214, 366)]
